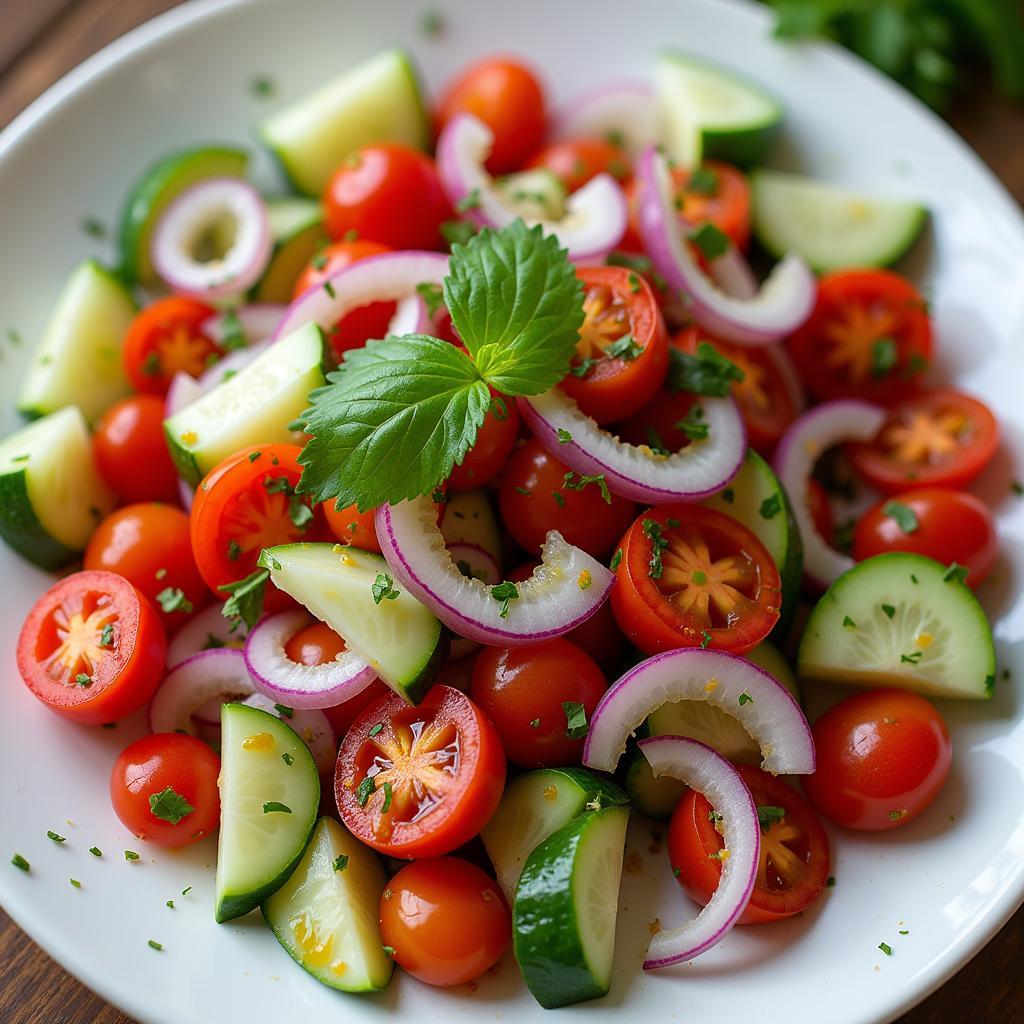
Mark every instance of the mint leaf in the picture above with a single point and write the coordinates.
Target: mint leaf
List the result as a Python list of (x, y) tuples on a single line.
[(169, 806), (517, 304)]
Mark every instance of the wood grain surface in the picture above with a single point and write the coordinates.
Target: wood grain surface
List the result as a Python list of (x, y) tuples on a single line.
[(40, 40)]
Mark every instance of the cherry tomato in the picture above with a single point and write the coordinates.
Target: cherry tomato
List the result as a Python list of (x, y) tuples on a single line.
[(661, 424), (821, 510), (575, 161), (940, 439), (148, 544), (795, 860), (165, 338), (92, 648), (869, 337), (523, 691), (164, 789), (507, 97), (883, 756), (248, 503), (131, 452), (390, 193), (370, 321), (427, 781), (490, 452), (350, 526), (534, 497), (445, 919), (693, 577), (949, 526), (622, 355)]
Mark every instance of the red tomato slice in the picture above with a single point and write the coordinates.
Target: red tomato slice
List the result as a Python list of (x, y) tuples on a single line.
[(575, 161), (426, 781), (92, 648), (693, 577)]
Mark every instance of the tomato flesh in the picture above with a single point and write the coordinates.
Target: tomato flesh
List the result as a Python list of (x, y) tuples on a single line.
[(575, 161)]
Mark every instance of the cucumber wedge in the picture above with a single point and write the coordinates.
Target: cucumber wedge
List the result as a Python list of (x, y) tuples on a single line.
[(535, 805), (51, 496), (829, 226), (297, 227), (900, 620), (156, 188), (268, 805), (534, 195), (376, 101), (325, 915), (78, 361), (563, 918), (399, 637), (256, 406), (707, 112)]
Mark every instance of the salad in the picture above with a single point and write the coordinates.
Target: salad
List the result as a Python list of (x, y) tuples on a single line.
[(477, 494)]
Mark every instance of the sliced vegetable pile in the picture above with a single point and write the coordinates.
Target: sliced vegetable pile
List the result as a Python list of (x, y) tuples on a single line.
[(479, 483)]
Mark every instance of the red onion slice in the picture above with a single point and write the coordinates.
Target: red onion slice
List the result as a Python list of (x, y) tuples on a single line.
[(706, 771), (732, 273), (224, 209), (782, 303), (620, 111), (596, 215), (411, 317), (634, 471), (311, 725), (755, 698), (257, 320), (291, 683), (564, 590), (183, 390), (210, 675), (807, 439), (207, 630)]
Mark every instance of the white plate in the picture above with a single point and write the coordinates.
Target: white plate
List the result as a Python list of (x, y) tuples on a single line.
[(950, 879)]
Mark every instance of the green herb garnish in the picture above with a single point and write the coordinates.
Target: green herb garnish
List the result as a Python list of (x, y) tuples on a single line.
[(904, 515), (575, 719)]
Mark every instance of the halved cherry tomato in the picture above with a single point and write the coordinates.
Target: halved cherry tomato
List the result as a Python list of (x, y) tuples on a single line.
[(164, 789), (92, 648), (693, 577), (370, 321), (795, 859), (538, 493), (164, 339), (523, 691), (490, 451), (445, 919), (622, 355), (869, 337), (661, 425), (425, 782), (940, 439), (350, 526), (507, 97), (575, 161), (947, 525), (390, 193), (131, 451), (883, 756), (248, 503)]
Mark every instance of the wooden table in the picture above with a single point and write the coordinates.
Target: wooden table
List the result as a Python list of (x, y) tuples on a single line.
[(43, 39)]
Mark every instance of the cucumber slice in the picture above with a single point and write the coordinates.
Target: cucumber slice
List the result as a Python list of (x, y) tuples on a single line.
[(755, 498), (900, 620), (256, 406), (78, 361), (469, 519), (707, 112), (534, 806), (656, 798), (260, 843), (376, 101), (297, 227), (534, 195), (325, 915), (400, 638), (829, 226), (563, 917), (51, 496), (156, 188)]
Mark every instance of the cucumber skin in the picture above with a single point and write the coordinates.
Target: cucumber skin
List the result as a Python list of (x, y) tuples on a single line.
[(594, 786), (22, 531), (791, 573), (741, 147)]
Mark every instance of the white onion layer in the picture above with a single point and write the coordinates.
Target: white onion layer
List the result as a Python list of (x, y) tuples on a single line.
[(210, 675), (622, 111), (196, 635), (257, 320)]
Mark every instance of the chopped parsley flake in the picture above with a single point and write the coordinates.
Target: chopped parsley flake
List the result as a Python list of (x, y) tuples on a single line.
[(470, 201), (375, 729), (173, 599), (955, 573), (575, 719), (153, 944), (559, 498), (93, 227), (130, 855), (848, 623), (288, 759), (712, 241), (169, 904), (365, 790), (388, 793), (904, 931), (432, 295), (889, 610), (913, 658), (75, 882), (830, 882), (884, 355), (652, 530), (885, 948), (576, 482), (634, 283), (234, 550), (284, 711), (83, 680), (616, 560), (95, 851), (524, 491), (1017, 487), (340, 862), (564, 437), (55, 837), (383, 588), (505, 592), (186, 890), (770, 507), (107, 636), (535, 723), (692, 426), (389, 951), (168, 805), (703, 182), (20, 863), (745, 698), (625, 348), (904, 515), (705, 641), (276, 807), (728, 495), (769, 815)]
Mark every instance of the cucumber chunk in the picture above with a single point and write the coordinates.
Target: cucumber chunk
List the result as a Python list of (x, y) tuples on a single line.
[(900, 620), (563, 918), (534, 195), (156, 188), (376, 101), (399, 637), (297, 227), (78, 361), (256, 406), (656, 798), (325, 915), (830, 226), (534, 806), (707, 112), (260, 841), (51, 496)]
